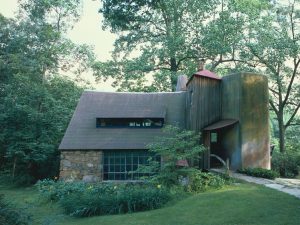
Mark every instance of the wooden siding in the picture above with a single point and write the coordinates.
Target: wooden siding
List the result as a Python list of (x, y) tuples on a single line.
[(203, 103)]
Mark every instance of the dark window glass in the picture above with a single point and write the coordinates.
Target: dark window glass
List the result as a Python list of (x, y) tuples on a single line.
[(120, 165), (130, 122), (128, 167), (111, 168), (111, 160), (214, 137), (135, 160), (111, 176)]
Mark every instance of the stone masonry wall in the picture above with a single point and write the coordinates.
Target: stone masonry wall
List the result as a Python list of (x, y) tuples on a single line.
[(81, 165)]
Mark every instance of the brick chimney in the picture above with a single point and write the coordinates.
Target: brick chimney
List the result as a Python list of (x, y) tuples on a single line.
[(201, 65), (181, 83)]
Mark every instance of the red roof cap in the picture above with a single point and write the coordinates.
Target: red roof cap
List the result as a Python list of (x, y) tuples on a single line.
[(207, 73), (182, 162)]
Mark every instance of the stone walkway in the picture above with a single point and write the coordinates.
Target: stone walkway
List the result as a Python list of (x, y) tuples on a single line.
[(289, 186)]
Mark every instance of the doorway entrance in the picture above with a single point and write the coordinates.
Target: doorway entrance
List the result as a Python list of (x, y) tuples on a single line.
[(220, 139)]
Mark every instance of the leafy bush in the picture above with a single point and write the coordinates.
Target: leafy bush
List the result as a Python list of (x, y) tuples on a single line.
[(81, 199), (288, 165), (174, 146), (201, 181), (55, 190), (10, 215), (259, 172), (125, 199)]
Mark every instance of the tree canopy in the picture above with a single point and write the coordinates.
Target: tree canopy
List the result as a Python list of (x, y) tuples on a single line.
[(36, 102)]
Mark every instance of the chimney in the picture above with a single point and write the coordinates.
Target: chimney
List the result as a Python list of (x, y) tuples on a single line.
[(181, 83), (201, 65)]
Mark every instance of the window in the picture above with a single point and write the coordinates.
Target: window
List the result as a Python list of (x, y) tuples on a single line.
[(130, 122), (120, 165), (213, 138)]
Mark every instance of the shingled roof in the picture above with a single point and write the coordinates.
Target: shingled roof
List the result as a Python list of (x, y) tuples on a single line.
[(82, 133)]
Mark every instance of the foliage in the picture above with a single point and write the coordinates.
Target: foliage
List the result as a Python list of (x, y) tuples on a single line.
[(56, 190), (201, 181), (82, 199), (175, 145), (34, 123), (292, 139), (260, 172), (36, 102), (157, 40), (11, 215), (133, 199), (287, 164)]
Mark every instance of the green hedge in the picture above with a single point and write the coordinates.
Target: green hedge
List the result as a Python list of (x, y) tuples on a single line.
[(259, 172)]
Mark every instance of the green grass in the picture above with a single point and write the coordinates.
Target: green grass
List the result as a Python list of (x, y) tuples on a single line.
[(240, 204)]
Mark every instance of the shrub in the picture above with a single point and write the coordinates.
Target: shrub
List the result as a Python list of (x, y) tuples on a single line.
[(259, 172), (53, 190), (124, 199), (82, 199), (174, 146), (10, 215), (201, 181), (287, 165)]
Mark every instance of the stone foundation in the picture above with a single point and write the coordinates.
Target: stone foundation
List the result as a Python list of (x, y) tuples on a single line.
[(81, 165)]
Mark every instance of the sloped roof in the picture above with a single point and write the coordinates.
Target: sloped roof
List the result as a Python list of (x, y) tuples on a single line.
[(207, 73), (221, 124), (82, 133)]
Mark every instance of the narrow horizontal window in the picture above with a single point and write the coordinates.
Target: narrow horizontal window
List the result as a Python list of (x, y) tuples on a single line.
[(130, 122)]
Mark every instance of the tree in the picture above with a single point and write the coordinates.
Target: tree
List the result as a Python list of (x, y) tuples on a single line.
[(170, 37), (166, 34), (36, 101), (173, 146)]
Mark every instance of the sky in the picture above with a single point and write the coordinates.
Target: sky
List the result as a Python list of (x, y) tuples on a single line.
[(87, 31)]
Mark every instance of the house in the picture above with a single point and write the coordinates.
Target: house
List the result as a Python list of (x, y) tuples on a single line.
[(109, 132)]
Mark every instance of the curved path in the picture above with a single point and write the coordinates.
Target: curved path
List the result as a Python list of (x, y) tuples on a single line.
[(289, 186)]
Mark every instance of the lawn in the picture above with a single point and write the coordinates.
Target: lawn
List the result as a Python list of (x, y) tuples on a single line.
[(239, 204)]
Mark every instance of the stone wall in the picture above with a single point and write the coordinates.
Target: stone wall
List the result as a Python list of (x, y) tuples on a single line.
[(81, 165)]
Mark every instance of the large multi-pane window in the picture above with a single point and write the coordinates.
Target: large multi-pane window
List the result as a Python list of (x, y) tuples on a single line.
[(130, 122), (122, 165)]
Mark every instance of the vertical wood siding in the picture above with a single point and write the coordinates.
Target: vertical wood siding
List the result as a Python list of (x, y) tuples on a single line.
[(203, 103)]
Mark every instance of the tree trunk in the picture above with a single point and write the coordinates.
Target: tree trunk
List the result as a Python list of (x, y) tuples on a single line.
[(173, 73), (281, 141), (281, 133)]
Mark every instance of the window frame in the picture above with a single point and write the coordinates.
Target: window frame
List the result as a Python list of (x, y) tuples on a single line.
[(119, 165), (135, 122)]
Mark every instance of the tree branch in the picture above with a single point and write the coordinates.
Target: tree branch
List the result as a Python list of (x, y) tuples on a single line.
[(184, 58), (292, 117), (273, 91), (273, 107), (296, 64)]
